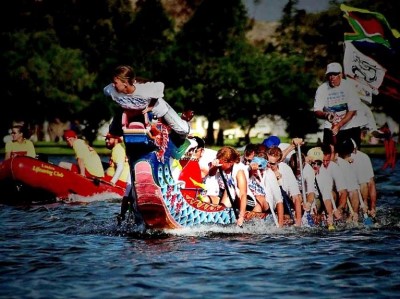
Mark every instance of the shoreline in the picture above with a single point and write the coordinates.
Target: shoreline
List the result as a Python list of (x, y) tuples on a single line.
[(52, 148)]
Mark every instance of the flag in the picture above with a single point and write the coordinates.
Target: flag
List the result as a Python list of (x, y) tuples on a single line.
[(368, 26), (372, 51), (362, 67)]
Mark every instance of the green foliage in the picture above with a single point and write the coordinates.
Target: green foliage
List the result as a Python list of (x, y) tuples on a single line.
[(57, 56), (45, 75)]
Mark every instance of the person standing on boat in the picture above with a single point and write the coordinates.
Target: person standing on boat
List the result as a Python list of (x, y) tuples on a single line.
[(140, 98), (88, 161), (118, 171), (236, 176), (336, 102), (19, 145)]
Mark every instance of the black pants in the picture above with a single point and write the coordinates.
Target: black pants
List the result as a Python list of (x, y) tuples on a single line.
[(354, 133)]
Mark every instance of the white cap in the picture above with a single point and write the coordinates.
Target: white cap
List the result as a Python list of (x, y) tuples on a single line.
[(315, 153), (333, 67), (192, 146)]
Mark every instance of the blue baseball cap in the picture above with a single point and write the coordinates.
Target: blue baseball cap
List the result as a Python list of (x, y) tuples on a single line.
[(271, 141)]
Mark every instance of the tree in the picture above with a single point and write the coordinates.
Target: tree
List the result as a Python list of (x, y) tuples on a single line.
[(44, 78), (201, 52)]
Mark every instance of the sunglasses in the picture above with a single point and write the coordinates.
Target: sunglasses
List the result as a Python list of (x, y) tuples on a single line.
[(319, 163), (246, 161), (272, 164)]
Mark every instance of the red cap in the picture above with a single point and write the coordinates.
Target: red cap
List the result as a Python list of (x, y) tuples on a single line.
[(109, 135), (69, 134)]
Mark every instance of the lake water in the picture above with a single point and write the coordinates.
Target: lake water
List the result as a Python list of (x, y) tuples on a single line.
[(71, 251)]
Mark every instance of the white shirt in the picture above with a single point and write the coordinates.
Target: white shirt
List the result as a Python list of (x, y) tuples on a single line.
[(140, 98), (325, 184), (336, 174), (363, 167), (339, 100), (309, 176), (232, 178), (271, 187), (348, 174), (288, 180), (207, 157)]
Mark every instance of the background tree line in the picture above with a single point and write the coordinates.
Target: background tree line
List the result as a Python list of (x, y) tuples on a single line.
[(57, 56)]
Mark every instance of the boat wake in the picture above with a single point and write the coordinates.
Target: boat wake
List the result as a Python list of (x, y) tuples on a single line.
[(79, 199)]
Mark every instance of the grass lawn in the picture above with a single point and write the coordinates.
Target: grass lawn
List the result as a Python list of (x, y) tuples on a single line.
[(61, 148)]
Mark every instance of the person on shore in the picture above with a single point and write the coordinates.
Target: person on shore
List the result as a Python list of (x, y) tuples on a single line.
[(236, 178), (19, 145), (88, 161), (336, 101), (137, 99)]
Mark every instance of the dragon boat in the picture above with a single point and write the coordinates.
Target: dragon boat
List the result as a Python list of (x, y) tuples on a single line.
[(26, 179), (162, 201)]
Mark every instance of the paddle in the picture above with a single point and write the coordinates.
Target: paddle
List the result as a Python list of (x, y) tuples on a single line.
[(307, 214), (303, 189), (367, 220), (321, 199), (97, 182), (350, 207), (286, 201), (227, 191)]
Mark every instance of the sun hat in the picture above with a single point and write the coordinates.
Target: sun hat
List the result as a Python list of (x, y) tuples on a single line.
[(333, 67), (315, 153), (69, 134), (271, 141)]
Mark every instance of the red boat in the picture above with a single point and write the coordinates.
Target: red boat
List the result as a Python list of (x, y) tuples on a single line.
[(25, 179)]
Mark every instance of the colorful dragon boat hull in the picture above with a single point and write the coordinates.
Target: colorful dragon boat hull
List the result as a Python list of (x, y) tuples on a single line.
[(163, 202), (162, 205), (27, 179)]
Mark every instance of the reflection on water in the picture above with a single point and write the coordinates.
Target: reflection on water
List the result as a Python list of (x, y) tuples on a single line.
[(59, 251)]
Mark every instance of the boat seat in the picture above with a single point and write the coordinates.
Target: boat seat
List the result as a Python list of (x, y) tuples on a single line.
[(136, 132)]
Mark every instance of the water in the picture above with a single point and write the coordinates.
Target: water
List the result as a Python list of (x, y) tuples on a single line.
[(70, 251)]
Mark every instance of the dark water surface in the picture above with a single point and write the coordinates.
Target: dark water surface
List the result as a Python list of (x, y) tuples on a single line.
[(70, 251)]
